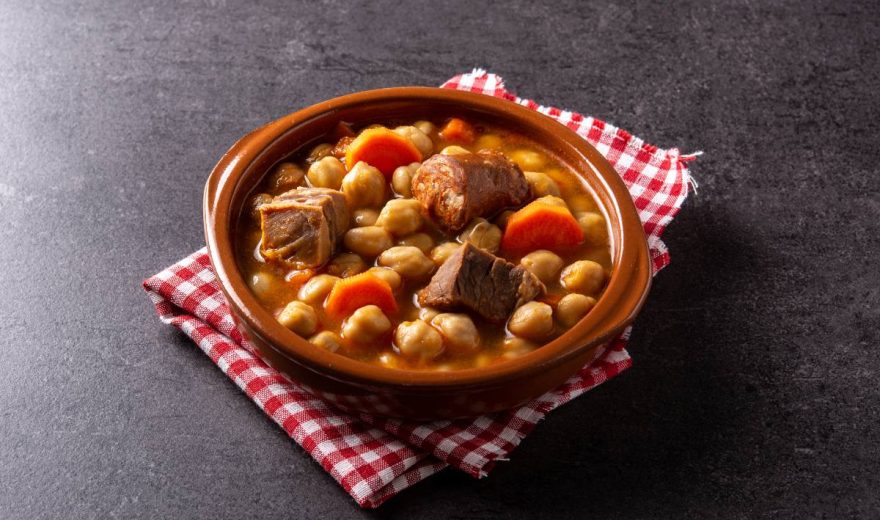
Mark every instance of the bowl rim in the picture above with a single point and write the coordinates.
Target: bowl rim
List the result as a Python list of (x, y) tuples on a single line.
[(624, 294)]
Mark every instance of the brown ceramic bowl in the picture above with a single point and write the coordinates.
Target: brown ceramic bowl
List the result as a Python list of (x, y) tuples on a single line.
[(362, 387)]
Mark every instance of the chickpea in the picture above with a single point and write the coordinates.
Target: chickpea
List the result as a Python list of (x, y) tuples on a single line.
[(298, 276), (262, 284), (401, 216), (442, 252), (416, 339), (542, 184), (572, 307), (422, 241), (427, 314), (255, 203), (483, 234), (453, 150), (593, 226), (315, 290), (579, 203), (364, 186), (489, 142), (389, 275), (533, 320), (319, 152), (528, 159), (388, 360), (553, 201), (421, 141), (286, 177), (543, 264), (515, 347), (299, 317), (583, 276), (327, 340), (560, 177), (365, 217), (401, 179), (408, 261), (327, 172), (426, 127), (346, 264), (366, 324), (458, 330), (367, 241), (502, 219)]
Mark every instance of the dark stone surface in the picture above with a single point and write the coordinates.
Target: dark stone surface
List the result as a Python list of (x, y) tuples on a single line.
[(754, 392)]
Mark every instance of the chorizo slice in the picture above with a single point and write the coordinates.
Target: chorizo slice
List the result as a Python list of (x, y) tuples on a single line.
[(455, 189)]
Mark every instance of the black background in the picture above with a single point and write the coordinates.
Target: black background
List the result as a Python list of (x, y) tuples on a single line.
[(754, 391)]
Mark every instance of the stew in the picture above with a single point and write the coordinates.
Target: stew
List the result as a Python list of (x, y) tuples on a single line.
[(430, 245)]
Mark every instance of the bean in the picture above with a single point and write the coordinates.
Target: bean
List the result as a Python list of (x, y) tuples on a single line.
[(418, 340), (533, 320), (583, 276), (299, 317), (366, 324)]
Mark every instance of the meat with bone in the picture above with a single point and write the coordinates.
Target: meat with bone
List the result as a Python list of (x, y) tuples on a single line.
[(301, 227)]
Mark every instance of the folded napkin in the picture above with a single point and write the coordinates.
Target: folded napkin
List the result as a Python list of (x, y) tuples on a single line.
[(375, 458)]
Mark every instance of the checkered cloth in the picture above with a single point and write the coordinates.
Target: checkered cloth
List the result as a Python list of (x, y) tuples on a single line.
[(376, 458)]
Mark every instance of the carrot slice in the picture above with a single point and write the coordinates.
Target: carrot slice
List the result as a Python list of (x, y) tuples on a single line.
[(543, 224), (458, 131), (352, 293), (383, 149)]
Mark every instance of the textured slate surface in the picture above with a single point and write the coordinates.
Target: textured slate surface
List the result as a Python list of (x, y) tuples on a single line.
[(754, 392)]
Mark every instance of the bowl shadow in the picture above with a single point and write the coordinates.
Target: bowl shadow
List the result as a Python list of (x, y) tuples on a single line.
[(667, 430)]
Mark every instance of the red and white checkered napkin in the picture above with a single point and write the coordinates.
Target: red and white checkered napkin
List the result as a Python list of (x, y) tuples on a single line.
[(375, 458)]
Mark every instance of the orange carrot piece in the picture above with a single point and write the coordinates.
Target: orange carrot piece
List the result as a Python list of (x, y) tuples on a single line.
[(382, 149), (352, 293), (541, 225), (458, 131)]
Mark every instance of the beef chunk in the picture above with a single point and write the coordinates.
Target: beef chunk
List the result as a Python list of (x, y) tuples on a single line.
[(455, 189), (331, 201), (301, 227), (478, 281)]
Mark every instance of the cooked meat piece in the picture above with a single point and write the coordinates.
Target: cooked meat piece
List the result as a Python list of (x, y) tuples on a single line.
[(295, 233), (301, 227), (480, 282), (332, 201), (341, 147), (455, 189)]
